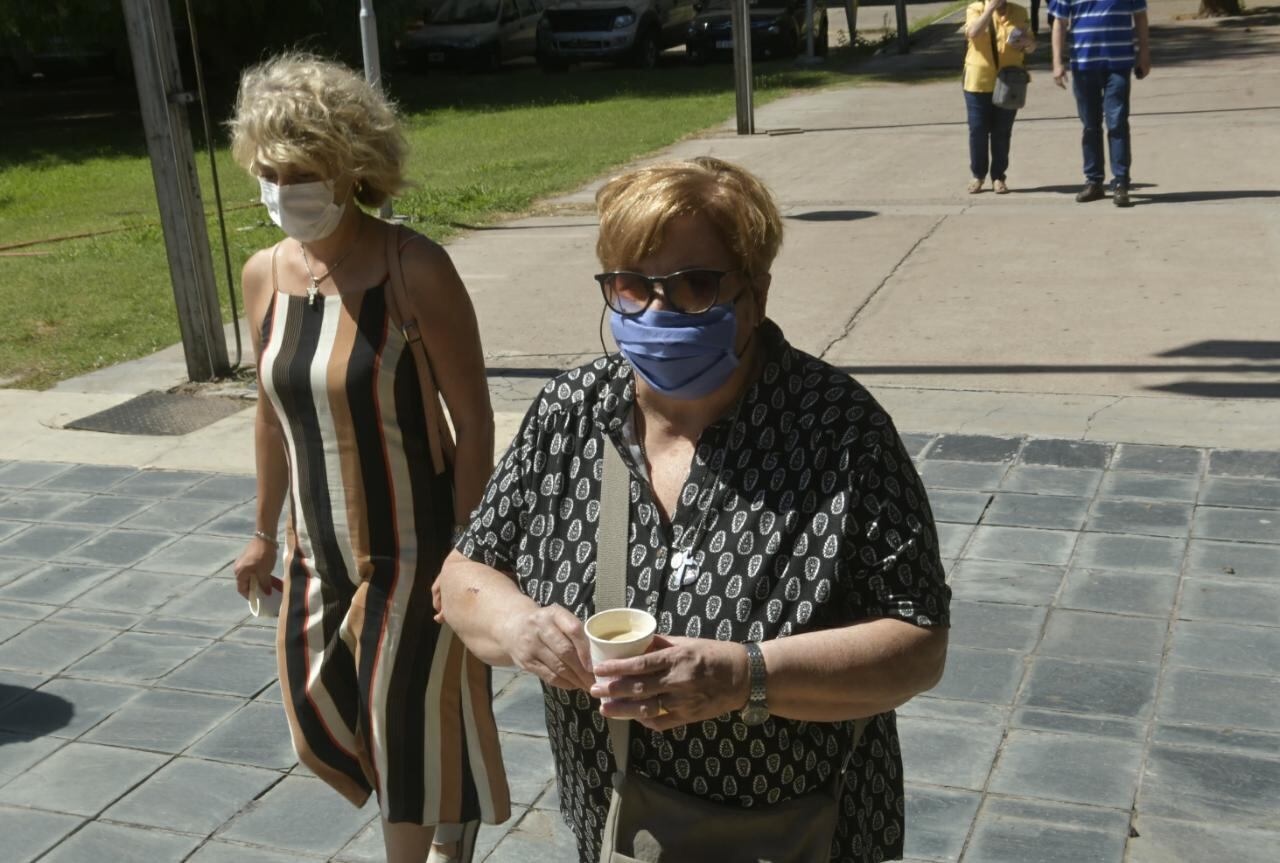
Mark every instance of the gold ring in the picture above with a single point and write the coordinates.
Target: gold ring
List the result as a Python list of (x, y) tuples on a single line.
[(662, 711)]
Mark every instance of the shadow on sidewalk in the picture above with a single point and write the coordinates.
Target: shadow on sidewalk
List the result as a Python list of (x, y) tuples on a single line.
[(1192, 197), (30, 713)]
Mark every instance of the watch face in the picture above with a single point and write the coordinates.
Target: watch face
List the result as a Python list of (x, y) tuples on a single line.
[(754, 714)]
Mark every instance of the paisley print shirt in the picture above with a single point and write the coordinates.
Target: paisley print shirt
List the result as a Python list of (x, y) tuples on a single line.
[(802, 511)]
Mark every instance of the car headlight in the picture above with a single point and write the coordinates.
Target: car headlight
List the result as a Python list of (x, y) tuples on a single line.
[(624, 20)]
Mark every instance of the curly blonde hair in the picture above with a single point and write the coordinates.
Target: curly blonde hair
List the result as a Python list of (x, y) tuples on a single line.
[(636, 207), (318, 116)]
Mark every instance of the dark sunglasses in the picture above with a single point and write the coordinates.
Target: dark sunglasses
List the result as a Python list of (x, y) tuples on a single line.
[(691, 291)]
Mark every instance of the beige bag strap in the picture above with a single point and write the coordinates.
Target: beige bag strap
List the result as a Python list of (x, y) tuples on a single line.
[(611, 562), (439, 437)]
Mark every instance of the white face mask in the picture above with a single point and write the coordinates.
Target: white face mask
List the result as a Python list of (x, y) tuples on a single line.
[(304, 211)]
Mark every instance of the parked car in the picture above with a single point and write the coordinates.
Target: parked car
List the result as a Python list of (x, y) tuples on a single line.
[(474, 34), (778, 29), (633, 31)]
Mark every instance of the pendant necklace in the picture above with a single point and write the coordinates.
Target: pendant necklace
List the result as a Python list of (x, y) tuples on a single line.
[(313, 289)]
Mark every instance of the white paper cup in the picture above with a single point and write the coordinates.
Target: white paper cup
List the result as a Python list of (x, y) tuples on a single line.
[(266, 605), (619, 633)]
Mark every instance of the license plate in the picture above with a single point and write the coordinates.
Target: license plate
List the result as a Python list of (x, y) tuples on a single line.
[(724, 45), (435, 57)]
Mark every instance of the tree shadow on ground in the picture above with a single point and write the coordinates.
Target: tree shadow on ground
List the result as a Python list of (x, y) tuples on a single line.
[(29, 713)]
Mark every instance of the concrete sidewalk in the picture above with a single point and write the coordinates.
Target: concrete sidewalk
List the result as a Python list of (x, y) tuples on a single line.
[(1095, 397)]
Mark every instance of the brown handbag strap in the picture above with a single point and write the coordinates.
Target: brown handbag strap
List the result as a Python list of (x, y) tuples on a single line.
[(995, 48), (401, 309), (611, 563)]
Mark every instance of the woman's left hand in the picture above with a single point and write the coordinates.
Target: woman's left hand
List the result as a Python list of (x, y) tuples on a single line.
[(680, 680)]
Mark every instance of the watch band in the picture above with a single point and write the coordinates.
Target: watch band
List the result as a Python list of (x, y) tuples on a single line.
[(759, 674)]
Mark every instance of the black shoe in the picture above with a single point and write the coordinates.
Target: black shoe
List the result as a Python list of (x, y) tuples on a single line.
[(1090, 192), (1120, 196)]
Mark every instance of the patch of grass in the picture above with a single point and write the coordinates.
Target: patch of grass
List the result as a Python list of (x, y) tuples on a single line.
[(482, 146)]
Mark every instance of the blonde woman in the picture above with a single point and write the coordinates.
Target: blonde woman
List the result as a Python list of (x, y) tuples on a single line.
[(379, 697), (999, 36)]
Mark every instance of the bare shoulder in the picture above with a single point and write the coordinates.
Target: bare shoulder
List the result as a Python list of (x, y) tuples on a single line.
[(255, 278), (424, 258)]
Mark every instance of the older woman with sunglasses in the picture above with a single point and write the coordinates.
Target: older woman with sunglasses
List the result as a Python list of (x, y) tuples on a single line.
[(778, 533)]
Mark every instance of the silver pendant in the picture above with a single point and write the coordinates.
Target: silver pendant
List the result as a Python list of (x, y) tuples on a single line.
[(313, 290)]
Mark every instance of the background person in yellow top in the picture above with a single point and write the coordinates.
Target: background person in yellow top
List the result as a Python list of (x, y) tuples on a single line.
[(990, 127)]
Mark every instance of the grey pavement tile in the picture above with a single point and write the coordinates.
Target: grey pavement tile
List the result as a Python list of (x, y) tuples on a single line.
[(38, 505), (141, 657), (969, 476), (10, 627), (1094, 688), (161, 622), (194, 555), (117, 620), (214, 600), (273, 694), (19, 751), (500, 677), (1222, 646), (238, 522), (98, 842), (1266, 744), (66, 708), (1232, 462), (1230, 601), (962, 507), (540, 837), (252, 635), (231, 488), (953, 710), (118, 547), (24, 474), (937, 752), (1010, 831), (235, 669), (1158, 459), (367, 846), (14, 684), (11, 568), (1220, 699), (1144, 517), (43, 542), (51, 647), (1130, 553), (178, 516), (1248, 525), (1022, 545), (952, 538), (103, 509), (216, 851), (8, 528), (159, 483), (980, 675), (81, 778), (1206, 557), (25, 610), (1141, 593), (1066, 453), (996, 581), (1078, 723), (28, 833), (520, 707), (1090, 636), (55, 583), (1149, 486), (1200, 785), (95, 478), (550, 799), (300, 814), (1230, 491), (1014, 509), (530, 768), (1073, 768), (192, 795), (939, 820), (257, 735), (996, 626), (163, 721), (136, 592), (974, 448), (915, 443), (1072, 482), (1161, 840)]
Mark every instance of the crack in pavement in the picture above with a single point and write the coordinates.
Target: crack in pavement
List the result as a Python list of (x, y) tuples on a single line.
[(1088, 422)]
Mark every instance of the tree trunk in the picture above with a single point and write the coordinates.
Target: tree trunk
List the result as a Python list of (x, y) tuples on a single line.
[(1218, 8)]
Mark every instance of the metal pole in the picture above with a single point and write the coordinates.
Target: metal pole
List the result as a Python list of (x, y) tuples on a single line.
[(163, 102), (372, 63), (851, 13), (903, 34), (808, 38), (740, 19)]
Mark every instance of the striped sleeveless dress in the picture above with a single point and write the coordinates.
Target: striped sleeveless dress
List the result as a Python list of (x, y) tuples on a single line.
[(378, 696)]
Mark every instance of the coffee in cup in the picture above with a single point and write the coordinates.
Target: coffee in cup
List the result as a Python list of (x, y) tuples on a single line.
[(619, 633)]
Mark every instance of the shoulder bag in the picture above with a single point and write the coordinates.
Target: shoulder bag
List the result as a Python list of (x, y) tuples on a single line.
[(649, 822), (1010, 91)]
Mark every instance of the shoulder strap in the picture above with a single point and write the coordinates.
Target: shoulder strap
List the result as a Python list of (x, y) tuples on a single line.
[(995, 48), (438, 436), (611, 563), (275, 253)]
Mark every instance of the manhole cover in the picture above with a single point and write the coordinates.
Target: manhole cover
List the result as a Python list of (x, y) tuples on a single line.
[(158, 413)]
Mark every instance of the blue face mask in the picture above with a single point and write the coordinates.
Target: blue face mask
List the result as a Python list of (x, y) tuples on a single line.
[(680, 355)]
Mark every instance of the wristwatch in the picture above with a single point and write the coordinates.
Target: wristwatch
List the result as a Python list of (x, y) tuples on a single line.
[(756, 710)]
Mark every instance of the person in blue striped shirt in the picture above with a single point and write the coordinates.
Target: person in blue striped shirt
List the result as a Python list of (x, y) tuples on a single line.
[(1109, 46)]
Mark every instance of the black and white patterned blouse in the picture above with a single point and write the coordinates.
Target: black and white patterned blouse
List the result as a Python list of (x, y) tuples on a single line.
[(815, 518)]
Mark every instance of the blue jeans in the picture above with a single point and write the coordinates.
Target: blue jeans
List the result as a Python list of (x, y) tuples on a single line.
[(1104, 94), (989, 127)]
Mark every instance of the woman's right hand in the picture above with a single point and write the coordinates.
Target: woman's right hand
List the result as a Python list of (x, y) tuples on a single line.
[(256, 562), (551, 643)]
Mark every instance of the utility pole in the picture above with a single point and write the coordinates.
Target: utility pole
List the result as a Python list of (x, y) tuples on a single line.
[(173, 166), (372, 62), (740, 20), (904, 37), (851, 13)]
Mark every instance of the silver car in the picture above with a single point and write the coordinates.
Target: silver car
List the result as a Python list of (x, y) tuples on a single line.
[(474, 34)]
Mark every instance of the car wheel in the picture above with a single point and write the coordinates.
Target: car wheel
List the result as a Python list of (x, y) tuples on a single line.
[(645, 53)]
